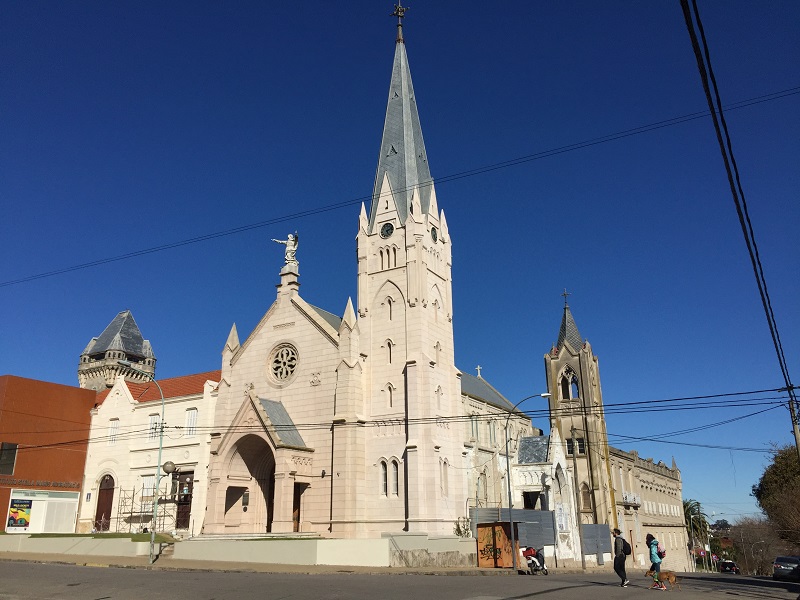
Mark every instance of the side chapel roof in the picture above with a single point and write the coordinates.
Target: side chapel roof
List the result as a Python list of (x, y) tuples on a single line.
[(479, 388), (283, 424), (175, 387)]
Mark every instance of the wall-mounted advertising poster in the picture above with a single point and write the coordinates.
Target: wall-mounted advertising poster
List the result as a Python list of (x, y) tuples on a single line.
[(19, 515)]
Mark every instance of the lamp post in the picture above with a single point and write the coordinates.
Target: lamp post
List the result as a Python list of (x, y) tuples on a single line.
[(756, 566), (157, 477), (508, 477)]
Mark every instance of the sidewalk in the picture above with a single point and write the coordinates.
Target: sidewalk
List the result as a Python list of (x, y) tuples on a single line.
[(171, 564)]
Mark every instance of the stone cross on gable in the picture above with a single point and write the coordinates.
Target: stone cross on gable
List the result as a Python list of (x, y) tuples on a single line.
[(478, 369)]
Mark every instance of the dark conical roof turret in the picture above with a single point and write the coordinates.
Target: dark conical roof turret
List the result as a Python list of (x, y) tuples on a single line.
[(569, 330)]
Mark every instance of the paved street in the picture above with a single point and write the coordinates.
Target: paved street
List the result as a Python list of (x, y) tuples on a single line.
[(36, 581)]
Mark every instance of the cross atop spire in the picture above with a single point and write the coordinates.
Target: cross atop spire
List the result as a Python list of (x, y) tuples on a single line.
[(565, 294), (399, 12)]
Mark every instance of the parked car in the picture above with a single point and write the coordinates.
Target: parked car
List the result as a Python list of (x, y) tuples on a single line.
[(728, 566), (786, 568)]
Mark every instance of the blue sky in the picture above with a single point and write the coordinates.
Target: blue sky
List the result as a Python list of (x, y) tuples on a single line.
[(128, 126)]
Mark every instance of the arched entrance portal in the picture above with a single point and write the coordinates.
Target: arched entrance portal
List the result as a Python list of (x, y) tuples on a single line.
[(105, 501), (250, 489)]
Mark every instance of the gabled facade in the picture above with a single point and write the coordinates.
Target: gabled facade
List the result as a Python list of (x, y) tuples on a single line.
[(120, 471)]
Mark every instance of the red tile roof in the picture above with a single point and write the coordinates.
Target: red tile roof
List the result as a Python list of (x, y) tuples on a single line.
[(173, 388)]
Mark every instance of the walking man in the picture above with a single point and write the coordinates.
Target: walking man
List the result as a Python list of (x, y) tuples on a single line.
[(621, 550)]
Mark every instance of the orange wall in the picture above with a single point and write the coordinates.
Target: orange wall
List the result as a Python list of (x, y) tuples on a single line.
[(50, 424)]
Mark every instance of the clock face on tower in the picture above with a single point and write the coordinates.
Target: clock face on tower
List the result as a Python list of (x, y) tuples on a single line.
[(387, 230), (434, 234)]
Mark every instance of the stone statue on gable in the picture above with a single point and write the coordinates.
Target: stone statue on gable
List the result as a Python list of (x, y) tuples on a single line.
[(291, 248)]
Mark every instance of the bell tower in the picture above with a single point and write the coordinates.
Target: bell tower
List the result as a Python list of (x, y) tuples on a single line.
[(405, 312), (576, 411)]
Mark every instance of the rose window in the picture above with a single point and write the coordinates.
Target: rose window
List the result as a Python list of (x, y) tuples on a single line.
[(284, 362)]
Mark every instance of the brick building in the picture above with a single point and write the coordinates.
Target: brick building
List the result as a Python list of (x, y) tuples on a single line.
[(44, 430)]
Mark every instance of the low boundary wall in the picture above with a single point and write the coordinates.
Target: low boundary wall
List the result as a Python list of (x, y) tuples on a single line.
[(81, 546), (398, 550)]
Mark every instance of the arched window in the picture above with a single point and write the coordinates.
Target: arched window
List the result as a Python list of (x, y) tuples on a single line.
[(586, 497), (384, 478), (395, 477), (439, 397), (389, 350), (481, 491), (438, 352), (389, 307), (569, 385), (394, 256), (445, 478), (380, 251), (390, 395)]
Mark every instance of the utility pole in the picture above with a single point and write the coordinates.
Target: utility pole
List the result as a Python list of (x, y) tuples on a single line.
[(795, 425)]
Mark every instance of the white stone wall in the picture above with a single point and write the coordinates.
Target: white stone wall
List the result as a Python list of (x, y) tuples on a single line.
[(134, 455)]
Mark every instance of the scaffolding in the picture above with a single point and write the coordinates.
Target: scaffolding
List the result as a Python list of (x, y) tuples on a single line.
[(135, 511)]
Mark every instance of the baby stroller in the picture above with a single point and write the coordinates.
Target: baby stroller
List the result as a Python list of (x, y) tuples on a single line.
[(535, 560)]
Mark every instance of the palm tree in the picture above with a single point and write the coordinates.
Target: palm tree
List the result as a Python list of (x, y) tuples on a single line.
[(696, 521)]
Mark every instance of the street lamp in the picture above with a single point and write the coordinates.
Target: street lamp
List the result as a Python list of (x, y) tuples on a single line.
[(508, 478), (157, 477)]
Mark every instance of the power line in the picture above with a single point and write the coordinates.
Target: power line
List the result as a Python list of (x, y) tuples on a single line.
[(703, 57), (446, 179), (137, 434)]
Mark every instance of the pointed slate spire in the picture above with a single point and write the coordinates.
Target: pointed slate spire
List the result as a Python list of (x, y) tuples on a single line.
[(569, 330), (402, 157)]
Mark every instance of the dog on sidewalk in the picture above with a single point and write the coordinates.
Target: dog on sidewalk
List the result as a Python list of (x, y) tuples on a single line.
[(667, 576)]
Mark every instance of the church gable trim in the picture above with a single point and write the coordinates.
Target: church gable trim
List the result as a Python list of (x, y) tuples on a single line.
[(253, 333), (312, 315), (252, 412)]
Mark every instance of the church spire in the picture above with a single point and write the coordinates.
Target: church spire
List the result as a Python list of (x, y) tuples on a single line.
[(403, 162), (569, 330)]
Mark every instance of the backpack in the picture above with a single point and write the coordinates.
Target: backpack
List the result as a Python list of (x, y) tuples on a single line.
[(626, 547), (661, 551)]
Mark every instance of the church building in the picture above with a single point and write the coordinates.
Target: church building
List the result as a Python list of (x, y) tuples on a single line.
[(356, 425)]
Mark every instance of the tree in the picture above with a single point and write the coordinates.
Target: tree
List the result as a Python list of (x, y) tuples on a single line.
[(720, 525), (755, 544), (778, 491), (696, 520)]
